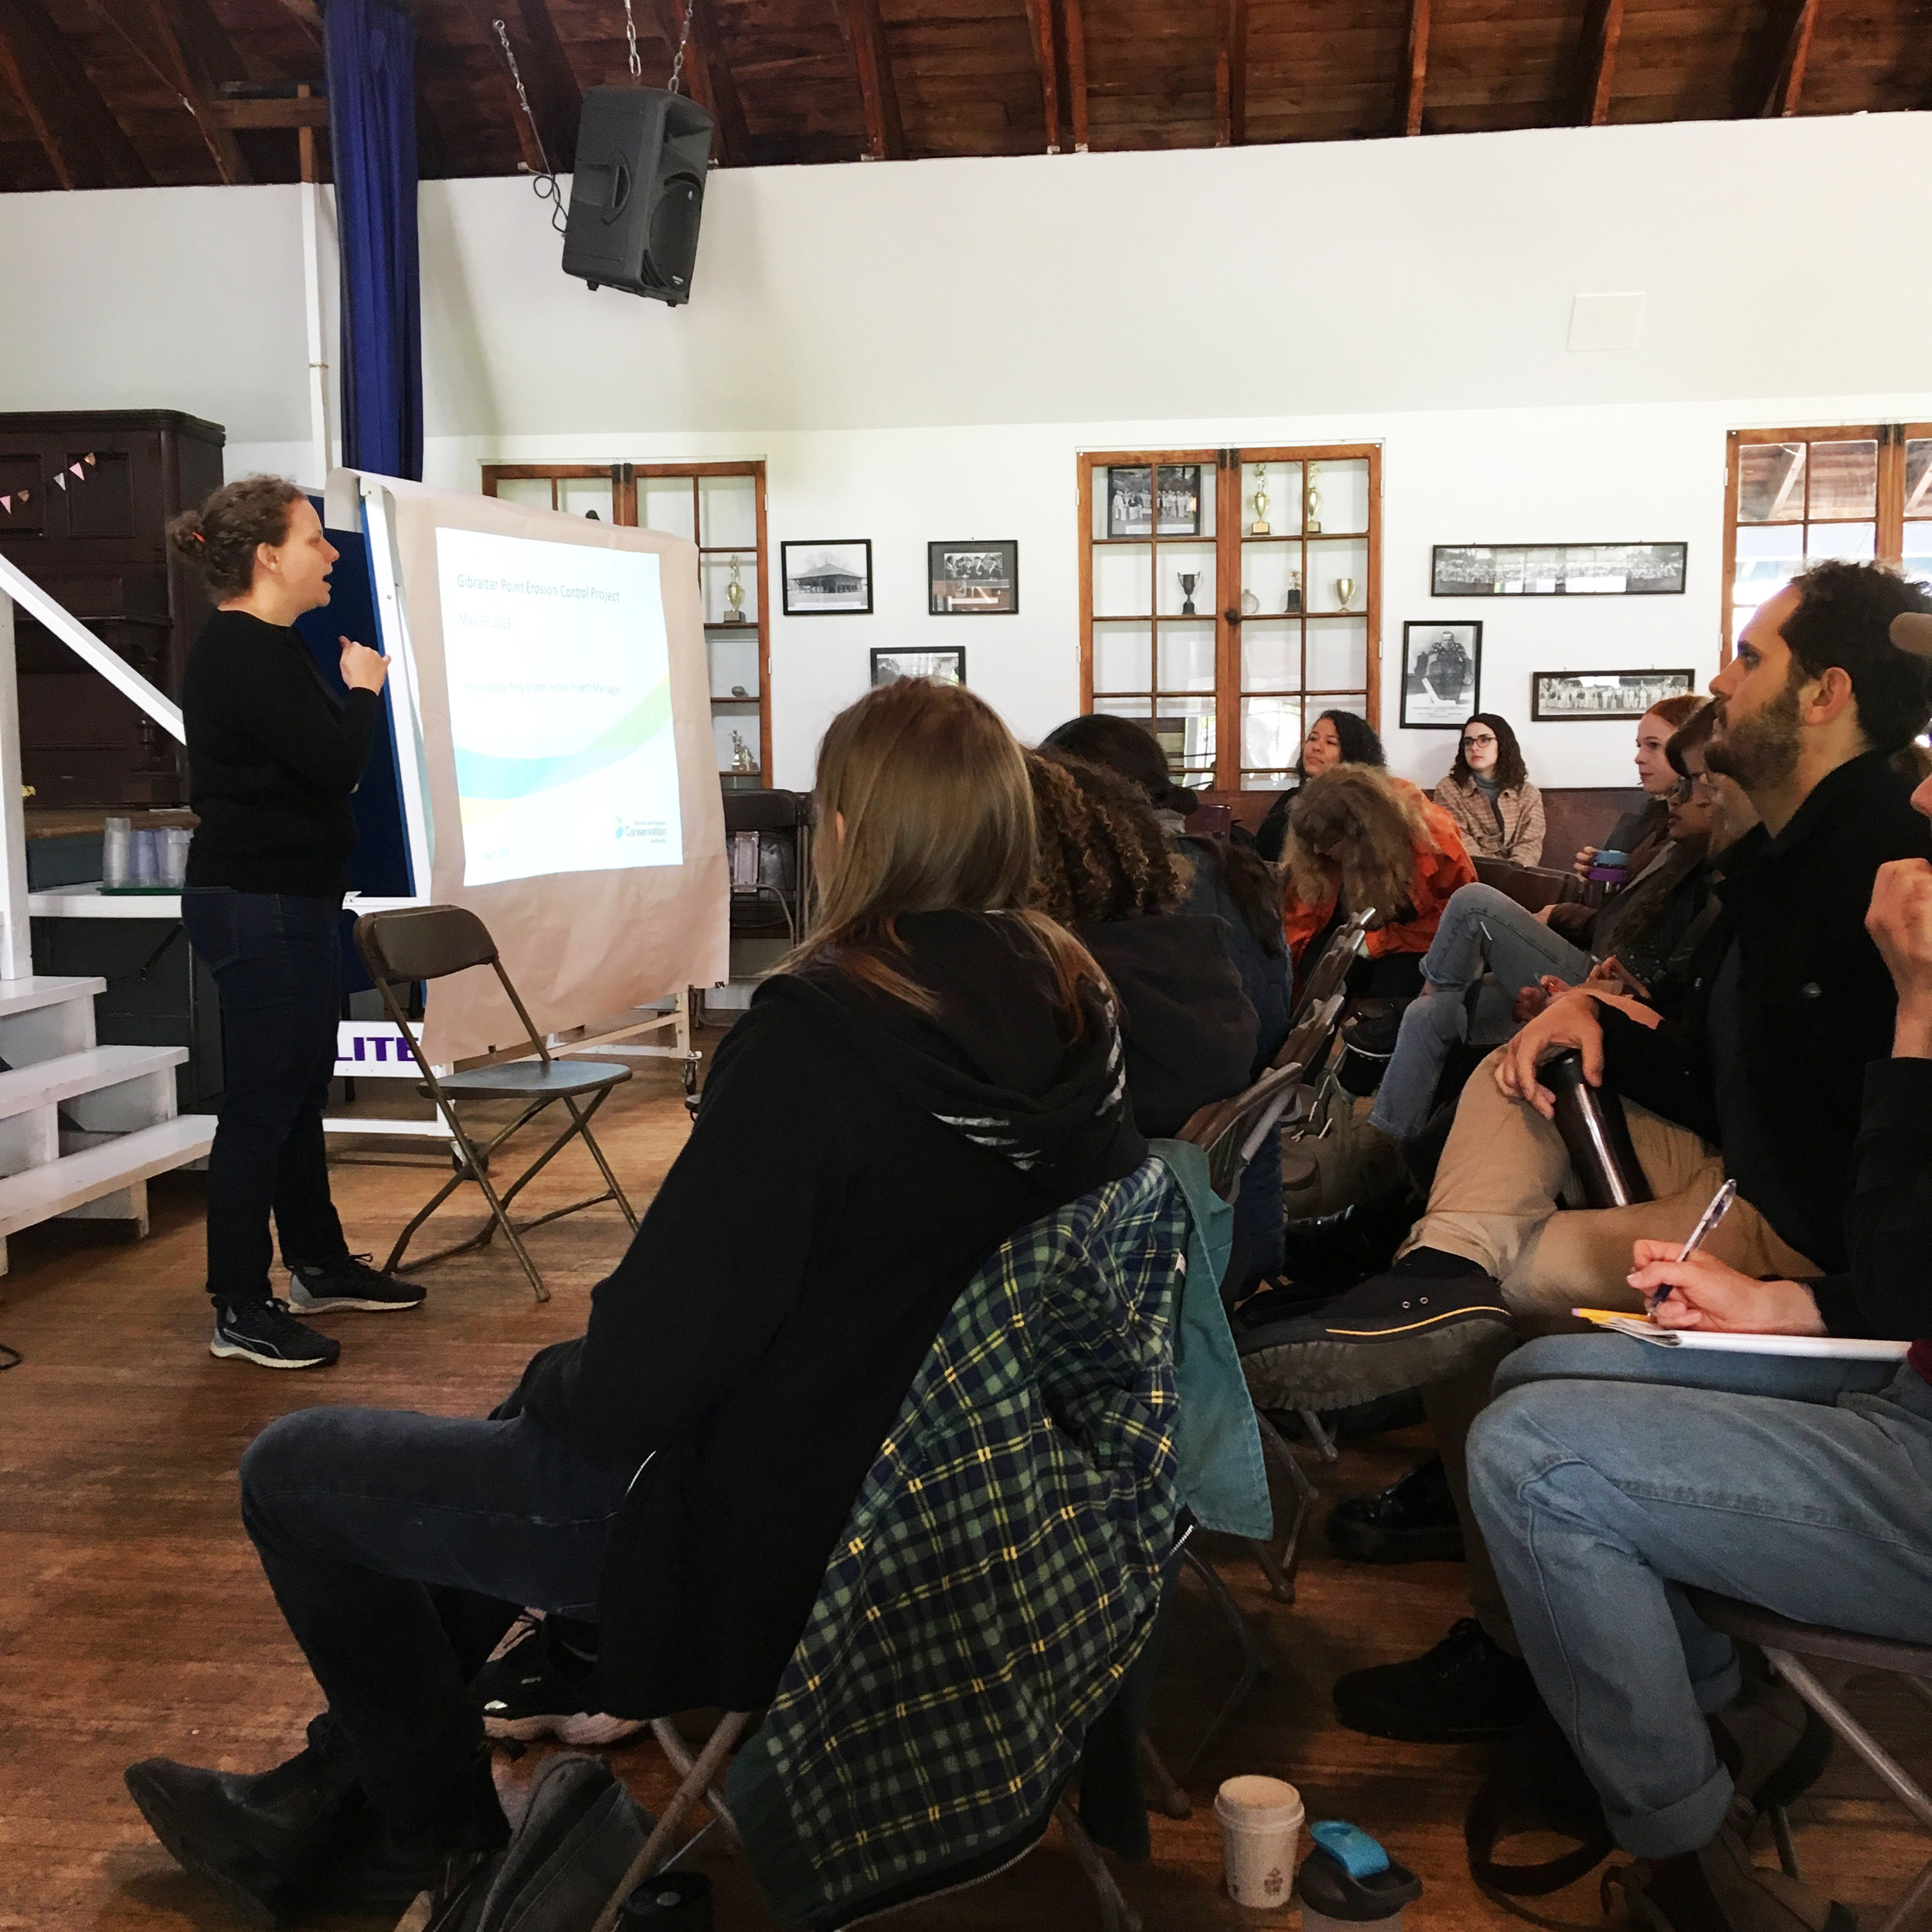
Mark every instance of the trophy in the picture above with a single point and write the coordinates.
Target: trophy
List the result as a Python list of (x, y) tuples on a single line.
[(1311, 522), (1187, 580), (1260, 526), (1344, 590), (741, 757), (1294, 593), (1250, 604), (735, 596)]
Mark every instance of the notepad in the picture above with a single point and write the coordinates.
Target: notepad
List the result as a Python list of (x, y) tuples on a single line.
[(1841, 1348)]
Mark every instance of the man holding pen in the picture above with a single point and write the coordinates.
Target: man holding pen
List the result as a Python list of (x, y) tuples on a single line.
[(1600, 1497)]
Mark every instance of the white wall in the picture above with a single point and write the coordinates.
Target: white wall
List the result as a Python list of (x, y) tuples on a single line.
[(919, 350)]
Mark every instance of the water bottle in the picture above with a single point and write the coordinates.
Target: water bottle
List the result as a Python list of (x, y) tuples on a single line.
[(1590, 1119), (672, 1902), (1349, 1883)]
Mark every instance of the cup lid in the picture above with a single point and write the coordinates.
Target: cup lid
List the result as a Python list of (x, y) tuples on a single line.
[(1253, 1801), (1349, 1877)]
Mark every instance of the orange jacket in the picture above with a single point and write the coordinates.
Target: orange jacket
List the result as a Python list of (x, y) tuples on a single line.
[(1437, 875)]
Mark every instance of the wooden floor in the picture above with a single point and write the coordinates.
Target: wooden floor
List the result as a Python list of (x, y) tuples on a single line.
[(134, 1621)]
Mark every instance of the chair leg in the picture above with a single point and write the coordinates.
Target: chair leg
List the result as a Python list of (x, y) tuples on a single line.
[(604, 1166), (1173, 1801), (1781, 1837), (1911, 1903), (1256, 1661), (1306, 1495), (671, 1742), (1801, 1680), (717, 1747), (1116, 1914), (1323, 1441)]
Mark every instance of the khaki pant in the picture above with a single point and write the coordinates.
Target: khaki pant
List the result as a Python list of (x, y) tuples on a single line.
[(1495, 1202)]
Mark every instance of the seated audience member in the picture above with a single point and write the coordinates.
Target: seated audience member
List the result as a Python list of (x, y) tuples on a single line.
[(1498, 812), (1335, 738), (1814, 1508), (1103, 870), (1234, 885), (1644, 929), (1359, 839), (936, 1065), (1640, 832), (1759, 1081)]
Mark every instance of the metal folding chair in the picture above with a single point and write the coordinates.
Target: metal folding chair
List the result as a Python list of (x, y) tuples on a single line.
[(430, 942), (1817, 1663)]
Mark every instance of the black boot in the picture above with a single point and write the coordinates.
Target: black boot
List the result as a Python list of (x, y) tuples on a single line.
[(1333, 1252), (1412, 1521), (260, 1841)]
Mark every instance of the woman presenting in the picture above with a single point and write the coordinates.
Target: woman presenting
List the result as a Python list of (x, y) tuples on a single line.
[(272, 759)]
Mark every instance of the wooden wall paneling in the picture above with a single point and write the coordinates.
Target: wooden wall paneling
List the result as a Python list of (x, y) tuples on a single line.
[(555, 99), (1416, 68), (84, 144), (1891, 502), (1040, 13), (1231, 76), (866, 35), (1597, 61)]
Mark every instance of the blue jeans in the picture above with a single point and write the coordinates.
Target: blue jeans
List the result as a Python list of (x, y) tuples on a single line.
[(1522, 949), (277, 960), (368, 1522), (1798, 1485)]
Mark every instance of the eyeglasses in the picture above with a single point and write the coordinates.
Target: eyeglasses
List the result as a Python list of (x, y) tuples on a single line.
[(1691, 791), (1476, 744)]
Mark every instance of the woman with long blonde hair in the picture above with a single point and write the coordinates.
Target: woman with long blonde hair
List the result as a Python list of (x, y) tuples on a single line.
[(935, 1067)]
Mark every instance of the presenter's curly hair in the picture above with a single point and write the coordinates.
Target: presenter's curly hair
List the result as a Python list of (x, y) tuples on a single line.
[(1356, 829), (1100, 852), (219, 538), (923, 805)]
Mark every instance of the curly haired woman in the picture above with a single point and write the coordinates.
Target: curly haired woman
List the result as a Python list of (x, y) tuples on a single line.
[(1358, 838)]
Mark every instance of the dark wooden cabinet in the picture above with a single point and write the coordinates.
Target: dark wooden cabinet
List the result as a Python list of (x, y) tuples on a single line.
[(85, 501)]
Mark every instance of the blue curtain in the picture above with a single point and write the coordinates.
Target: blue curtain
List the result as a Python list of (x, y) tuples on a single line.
[(369, 46)]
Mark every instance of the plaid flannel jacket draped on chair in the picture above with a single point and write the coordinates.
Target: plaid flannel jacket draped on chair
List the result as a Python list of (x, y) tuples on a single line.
[(999, 1571)]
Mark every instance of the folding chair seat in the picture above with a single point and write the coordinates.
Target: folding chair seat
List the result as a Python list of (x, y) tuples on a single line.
[(1817, 1663), (431, 942)]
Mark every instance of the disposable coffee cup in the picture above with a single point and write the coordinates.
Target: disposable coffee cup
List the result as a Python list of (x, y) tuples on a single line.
[(1260, 1821)]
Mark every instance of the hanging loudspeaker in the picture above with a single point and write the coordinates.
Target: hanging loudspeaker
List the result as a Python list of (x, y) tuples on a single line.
[(638, 191)]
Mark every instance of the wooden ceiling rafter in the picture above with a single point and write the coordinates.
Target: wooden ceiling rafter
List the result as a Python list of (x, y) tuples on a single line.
[(555, 99), (713, 87), (1231, 76), (1075, 22), (1040, 13), (1786, 51), (1415, 72), (865, 33), (84, 144), (178, 46), (1597, 61)]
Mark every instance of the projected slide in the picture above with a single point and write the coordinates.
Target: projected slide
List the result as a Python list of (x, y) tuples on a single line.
[(560, 692)]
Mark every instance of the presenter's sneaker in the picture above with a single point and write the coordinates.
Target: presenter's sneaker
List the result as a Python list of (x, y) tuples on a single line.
[(534, 1686), (1466, 1691), (315, 1287), (266, 1333)]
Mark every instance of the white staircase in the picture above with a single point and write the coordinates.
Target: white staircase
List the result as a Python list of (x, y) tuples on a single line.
[(82, 1128)]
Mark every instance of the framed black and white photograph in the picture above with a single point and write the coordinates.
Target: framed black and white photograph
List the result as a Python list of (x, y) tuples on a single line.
[(1559, 570), (1441, 674), (1131, 507), (1568, 696), (827, 579), (947, 665), (973, 579)]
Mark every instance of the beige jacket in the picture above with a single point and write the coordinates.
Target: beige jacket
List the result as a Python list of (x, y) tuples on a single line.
[(1520, 837)]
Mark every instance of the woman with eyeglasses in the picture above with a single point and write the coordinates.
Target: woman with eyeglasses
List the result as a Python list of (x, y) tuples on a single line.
[(1488, 793)]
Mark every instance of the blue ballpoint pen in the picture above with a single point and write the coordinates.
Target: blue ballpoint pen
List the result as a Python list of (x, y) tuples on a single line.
[(1720, 1205)]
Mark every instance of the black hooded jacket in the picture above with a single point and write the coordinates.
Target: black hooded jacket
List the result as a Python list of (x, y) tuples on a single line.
[(853, 1164)]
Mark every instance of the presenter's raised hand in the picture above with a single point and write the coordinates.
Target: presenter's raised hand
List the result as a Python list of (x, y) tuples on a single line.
[(362, 668), (1570, 1021)]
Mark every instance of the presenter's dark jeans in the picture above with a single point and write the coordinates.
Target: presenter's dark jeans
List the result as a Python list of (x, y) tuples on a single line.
[(399, 1547), (277, 960)]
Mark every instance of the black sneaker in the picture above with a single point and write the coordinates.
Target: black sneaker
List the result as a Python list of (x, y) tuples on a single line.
[(347, 1282), (1432, 1315), (1333, 1252), (534, 1686), (1465, 1691), (266, 1333), (1412, 1521)]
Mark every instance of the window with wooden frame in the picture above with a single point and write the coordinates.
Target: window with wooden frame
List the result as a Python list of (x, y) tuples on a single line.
[(720, 507), (1227, 597), (1795, 497)]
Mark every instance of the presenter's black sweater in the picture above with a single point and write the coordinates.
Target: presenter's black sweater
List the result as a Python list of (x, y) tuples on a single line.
[(853, 1163), (273, 758)]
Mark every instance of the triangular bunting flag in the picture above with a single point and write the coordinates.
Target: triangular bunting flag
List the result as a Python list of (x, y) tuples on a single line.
[(74, 469), (6, 504), (59, 476), (89, 459)]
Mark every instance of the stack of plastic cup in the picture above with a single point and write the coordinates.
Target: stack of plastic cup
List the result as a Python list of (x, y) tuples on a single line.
[(1260, 1821), (174, 840), (116, 857)]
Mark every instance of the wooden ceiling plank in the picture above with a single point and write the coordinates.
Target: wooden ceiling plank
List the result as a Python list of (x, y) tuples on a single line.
[(1597, 61), (555, 99), (84, 144), (148, 27), (1076, 71), (712, 85), (1040, 13), (1231, 76), (865, 35), (306, 12), (306, 112), (1415, 67), (1788, 48)]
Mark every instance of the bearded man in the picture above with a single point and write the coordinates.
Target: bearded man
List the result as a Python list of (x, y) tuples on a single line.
[(1760, 1082)]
